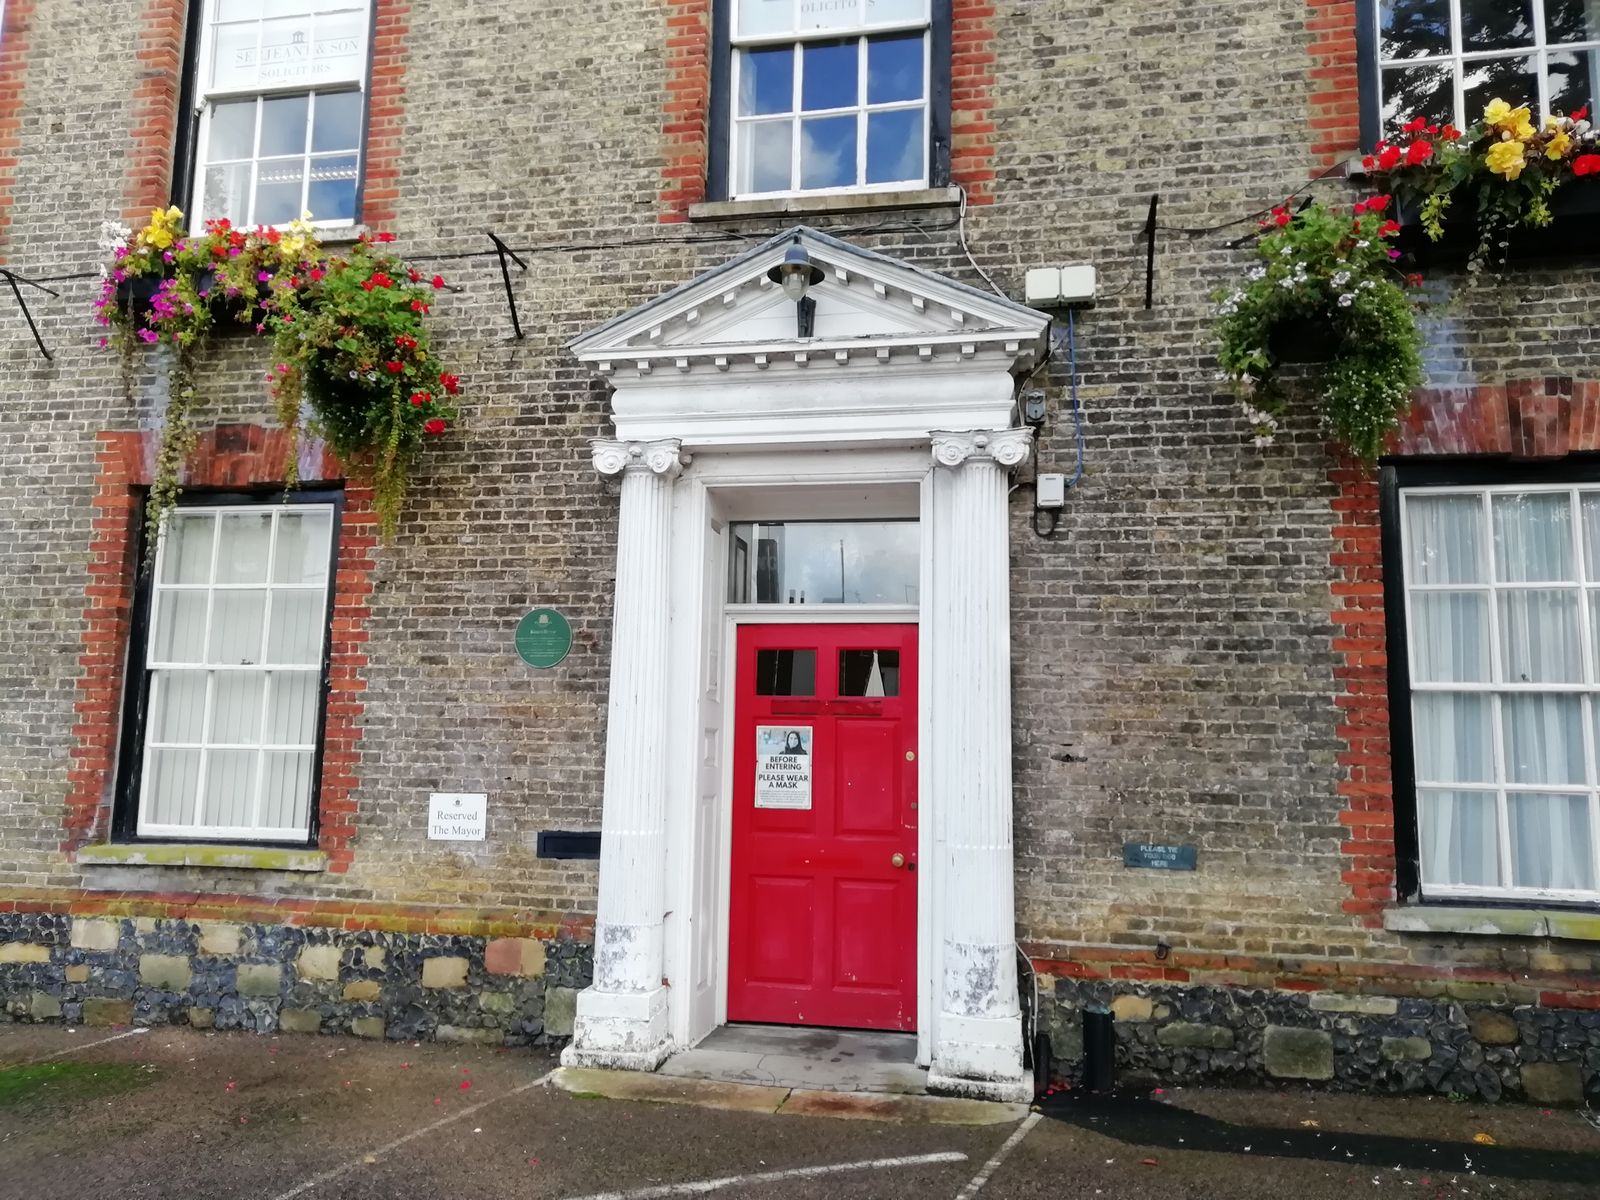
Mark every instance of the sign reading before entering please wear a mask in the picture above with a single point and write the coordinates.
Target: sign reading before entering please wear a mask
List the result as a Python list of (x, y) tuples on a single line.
[(783, 766)]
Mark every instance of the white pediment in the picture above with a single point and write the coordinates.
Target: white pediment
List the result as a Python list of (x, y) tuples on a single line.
[(896, 352), (866, 303)]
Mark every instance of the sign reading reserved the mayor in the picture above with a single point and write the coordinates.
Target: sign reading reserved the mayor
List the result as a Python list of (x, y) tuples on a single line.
[(458, 816), (783, 766)]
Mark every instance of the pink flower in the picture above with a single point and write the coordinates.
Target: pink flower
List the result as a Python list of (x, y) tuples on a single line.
[(149, 336), (263, 276)]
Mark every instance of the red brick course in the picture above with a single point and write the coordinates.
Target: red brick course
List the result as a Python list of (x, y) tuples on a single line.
[(159, 53), (1334, 100), (13, 70), (972, 61), (227, 456), (380, 188)]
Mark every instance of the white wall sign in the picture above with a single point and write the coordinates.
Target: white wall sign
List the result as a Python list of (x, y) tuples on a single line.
[(458, 816), (783, 766)]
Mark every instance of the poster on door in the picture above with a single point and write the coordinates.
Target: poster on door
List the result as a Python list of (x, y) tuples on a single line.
[(783, 766)]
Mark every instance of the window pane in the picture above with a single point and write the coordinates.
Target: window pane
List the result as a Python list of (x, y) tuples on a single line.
[(829, 14), (764, 157), (279, 191), (894, 146), (1413, 28), (828, 75), (296, 633), (233, 57), (286, 790), (227, 193), (1571, 21), (1551, 842), (178, 706), (1544, 739), (242, 553), (758, 17), (186, 548), (828, 562), (230, 787), (1572, 81), (1496, 24), (336, 121), (283, 125), (302, 553), (171, 777), (1428, 92), (233, 131), (340, 50), (1590, 507), (894, 69), (1454, 738), (292, 715), (881, 12), (1532, 537), (1444, 536), (286, 52), (236, 619), (236, 707), (828, 152), (1539, 640), (1460, 838), (1513, 80), (1450, 637), (786, 672), (332, 195), (766, 81), (180, 627), (869, 672)]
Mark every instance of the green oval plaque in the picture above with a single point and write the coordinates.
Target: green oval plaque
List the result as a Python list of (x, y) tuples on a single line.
[(543, 637)]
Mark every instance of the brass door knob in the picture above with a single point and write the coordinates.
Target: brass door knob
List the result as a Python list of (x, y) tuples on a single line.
[(897, 860)]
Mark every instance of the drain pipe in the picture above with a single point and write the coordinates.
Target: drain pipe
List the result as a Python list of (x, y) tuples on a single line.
[(1099, 1049)]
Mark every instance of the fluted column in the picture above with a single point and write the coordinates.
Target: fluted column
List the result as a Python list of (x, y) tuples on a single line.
[(622, 1018), (977, 1045)]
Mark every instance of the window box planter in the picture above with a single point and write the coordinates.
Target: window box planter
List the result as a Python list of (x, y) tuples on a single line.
[(1574, 231)]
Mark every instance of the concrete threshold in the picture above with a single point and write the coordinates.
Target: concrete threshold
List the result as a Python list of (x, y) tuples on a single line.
[(638, 1086)]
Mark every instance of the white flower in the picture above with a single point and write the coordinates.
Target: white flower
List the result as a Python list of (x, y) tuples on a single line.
[(1289, 282), (1340, 278), (1257, 273), (1346, 300), (1263, 440), (1366, 285), (1363, 244)]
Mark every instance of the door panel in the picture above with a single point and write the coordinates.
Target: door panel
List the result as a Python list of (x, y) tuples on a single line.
[(822, 927)]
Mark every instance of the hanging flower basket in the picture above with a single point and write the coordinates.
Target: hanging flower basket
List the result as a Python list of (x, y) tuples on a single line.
[(348, 331), (1301, 340)]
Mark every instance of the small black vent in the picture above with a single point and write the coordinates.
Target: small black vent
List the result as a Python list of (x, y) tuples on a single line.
[(557, 843)]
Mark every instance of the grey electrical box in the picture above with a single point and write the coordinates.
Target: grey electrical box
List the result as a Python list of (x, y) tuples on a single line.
[(1050, 491)]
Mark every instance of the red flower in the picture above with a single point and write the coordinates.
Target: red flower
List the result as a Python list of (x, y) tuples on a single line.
[(1586, 164), (1280, 216), (317, 273), (379, 279), (451, 384), (433, 425), (1377, 203), (1368, 163), (418, 399), (220, 251), (418, 306), (416, 275), (1415, 125), (405, 343), (1359, 207), (273, 236), (383, 237), (438, 281), (1389, 158), (1414, 280), (1418, 153), (395, 367), (1582, 114), (1450, 133), (1389, 229), (1433, 129)]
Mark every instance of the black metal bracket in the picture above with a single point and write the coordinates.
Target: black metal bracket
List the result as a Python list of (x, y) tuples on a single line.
[(13, 279), (805, 317), (505, 252), (1150, 253)]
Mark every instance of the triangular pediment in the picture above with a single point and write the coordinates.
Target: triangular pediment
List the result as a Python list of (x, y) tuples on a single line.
[(867, 303)]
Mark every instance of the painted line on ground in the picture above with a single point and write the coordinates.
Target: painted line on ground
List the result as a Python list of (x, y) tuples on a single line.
[(701, 1186), (1000, 1155), (115, 1037), (317, 1181)]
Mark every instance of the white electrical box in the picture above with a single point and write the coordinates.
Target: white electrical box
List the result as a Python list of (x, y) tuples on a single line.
[(1057, 287), (1050, 491)]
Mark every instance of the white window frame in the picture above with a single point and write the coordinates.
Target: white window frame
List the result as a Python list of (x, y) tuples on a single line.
[(151, 666), (206, 98), (861, 32), (1458, 58), (1588, 689)]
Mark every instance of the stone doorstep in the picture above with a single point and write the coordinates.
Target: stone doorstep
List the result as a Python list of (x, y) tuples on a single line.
[(591, 1083)]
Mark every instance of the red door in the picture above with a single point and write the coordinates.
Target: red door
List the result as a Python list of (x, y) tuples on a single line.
[(823, 920)]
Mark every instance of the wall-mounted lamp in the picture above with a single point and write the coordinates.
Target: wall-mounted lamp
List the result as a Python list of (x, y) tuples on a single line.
[(795, 274)]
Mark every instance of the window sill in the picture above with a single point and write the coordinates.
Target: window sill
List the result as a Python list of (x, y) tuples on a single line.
[(1494, 922), (840, 202), (190, 854)]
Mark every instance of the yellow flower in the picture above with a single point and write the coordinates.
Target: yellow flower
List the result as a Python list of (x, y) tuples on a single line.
[(1515, 121), (1558, 145), (1496, 112), (1506, 158)]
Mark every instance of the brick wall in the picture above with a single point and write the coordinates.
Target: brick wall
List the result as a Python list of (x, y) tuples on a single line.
[(158, 53), (13, 66)]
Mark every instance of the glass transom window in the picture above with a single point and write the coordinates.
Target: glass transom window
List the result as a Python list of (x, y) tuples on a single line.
[(1503, 615), (823, 562), (281, 85), (1446, 59), (239, 613), (829, 95)]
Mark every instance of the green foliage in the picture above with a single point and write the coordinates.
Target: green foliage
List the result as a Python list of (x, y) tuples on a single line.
[(1325, 274)]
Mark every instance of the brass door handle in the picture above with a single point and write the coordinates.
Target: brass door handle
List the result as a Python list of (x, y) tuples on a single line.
[(897, 860)]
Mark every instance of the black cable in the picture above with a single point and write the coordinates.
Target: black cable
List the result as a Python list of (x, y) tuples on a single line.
[(1255, 216), (1055, 519)]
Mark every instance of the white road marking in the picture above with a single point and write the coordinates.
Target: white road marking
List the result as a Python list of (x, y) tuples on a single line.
[(701, 1186), (317, 1181), (1000, 1155), (115, 1037)]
